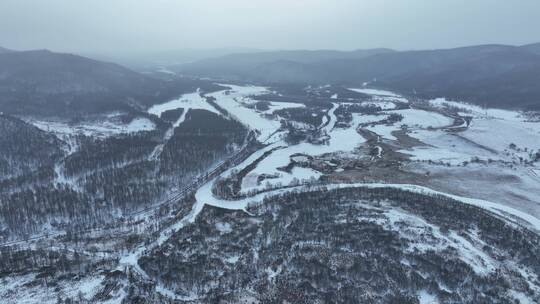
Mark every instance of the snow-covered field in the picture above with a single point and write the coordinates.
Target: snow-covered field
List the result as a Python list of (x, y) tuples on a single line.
[(447, 147), (104, 127), (413, 119), (489, 137), (498, 134), (375, 92), (423, 119), (275, 106), (493, 134), (496, 128), (232, 101), (186, 101)]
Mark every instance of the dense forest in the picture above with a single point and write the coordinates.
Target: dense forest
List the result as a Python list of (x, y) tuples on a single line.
[(343, 246), (47, 189), (203, 136)]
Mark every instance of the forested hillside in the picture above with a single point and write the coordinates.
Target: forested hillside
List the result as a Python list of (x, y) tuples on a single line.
[(46, 83), (346, 246), (46, 188)]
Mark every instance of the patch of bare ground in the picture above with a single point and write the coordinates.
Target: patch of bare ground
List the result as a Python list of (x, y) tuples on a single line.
[(373, 166), (405, 141)]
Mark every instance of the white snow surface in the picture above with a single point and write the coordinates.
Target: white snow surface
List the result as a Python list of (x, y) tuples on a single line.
[(275, 106), (100, 128), (446, 147), (423, 119), (498, 134), (426, 298), (375, 92), (488, 137), (385, 131), (186, 101), (232, 101)]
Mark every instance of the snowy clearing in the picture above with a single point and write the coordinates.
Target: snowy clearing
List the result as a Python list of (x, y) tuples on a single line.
[(186, 101), (100, 128), (231, 100), (498, 134), (375, 92), (423, 119), (275, 106)]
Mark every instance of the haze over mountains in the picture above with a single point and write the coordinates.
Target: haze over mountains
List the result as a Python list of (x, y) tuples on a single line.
[(496, 75), (145, 60), (47, 83)]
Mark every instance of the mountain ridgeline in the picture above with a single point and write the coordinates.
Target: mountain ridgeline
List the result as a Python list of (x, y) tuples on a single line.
[(46, 83), (494, 75)]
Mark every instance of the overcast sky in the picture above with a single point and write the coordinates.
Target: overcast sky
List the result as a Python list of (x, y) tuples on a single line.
[(153, 25)]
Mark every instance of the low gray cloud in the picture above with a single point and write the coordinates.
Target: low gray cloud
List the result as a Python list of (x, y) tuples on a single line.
[(153, 25)]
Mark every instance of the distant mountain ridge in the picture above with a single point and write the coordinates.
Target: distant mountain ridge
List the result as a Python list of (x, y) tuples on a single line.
[(4, 50), (248, 65), (141, 61), (535, 47), (47, 83), (497, 75)]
